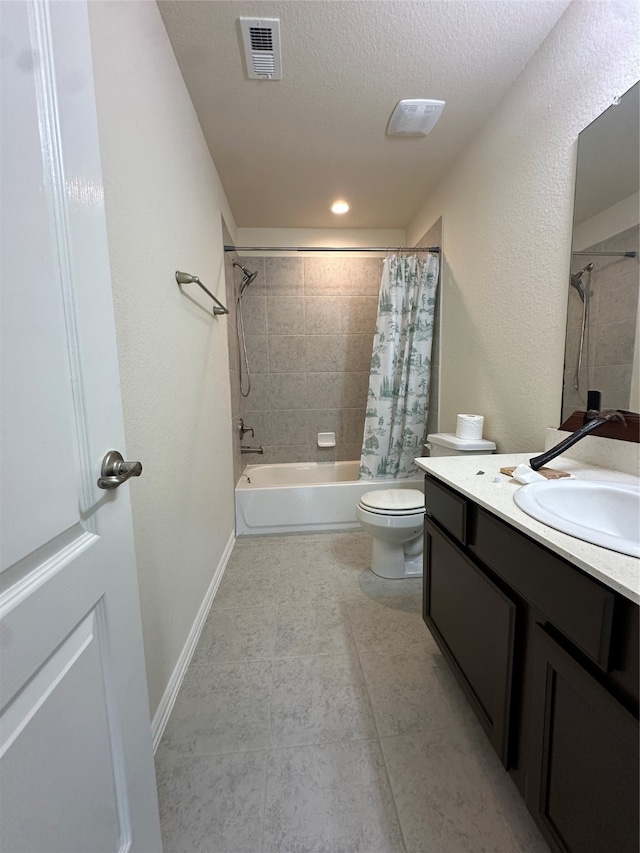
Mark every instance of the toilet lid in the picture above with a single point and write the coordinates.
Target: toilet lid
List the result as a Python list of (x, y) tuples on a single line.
[(396, 500)]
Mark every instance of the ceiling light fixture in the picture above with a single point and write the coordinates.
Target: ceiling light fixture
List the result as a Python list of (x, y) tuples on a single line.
[(339, 207)]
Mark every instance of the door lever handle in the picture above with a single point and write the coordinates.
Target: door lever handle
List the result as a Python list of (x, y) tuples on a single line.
[(115, 471)]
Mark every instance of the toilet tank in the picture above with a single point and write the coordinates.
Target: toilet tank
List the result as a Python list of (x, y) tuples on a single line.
[(448, 444)]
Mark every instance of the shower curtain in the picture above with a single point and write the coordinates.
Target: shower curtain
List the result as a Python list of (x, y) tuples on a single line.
[(400, 368)]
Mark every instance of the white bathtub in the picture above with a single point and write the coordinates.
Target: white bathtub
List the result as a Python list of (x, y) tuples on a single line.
[(310, 496)]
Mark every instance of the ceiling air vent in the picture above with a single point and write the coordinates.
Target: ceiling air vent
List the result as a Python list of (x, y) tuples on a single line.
[(261, 39), (414, 117)]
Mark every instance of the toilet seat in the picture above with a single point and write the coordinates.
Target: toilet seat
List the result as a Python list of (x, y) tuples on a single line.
[(393, 502)]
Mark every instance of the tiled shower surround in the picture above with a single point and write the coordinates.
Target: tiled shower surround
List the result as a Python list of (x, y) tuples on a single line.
[(613, 311), (309, 325)]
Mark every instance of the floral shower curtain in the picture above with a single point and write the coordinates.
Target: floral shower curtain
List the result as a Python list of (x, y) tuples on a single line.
[(400, 368)]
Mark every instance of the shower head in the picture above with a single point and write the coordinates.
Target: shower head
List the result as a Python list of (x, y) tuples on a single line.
[(247, 277), (575, 279)]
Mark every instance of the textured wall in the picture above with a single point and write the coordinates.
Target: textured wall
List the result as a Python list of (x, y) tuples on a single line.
[(163, 204), (507, 218), (608, 350), (309, 329)]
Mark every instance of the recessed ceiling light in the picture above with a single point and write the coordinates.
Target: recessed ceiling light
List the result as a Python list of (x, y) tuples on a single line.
[(339, 207)]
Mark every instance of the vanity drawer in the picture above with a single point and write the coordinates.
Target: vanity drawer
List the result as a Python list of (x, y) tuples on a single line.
[(577, 605), (448, 508)]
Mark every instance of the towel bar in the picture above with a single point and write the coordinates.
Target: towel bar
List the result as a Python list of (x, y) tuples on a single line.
[(187, 278)]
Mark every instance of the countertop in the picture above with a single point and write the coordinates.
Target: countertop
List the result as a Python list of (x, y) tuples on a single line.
[(617, 571)]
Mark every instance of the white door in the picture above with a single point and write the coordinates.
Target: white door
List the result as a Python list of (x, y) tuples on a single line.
[(76, 764)]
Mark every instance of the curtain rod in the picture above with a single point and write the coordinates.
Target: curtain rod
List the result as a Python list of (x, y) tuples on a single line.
[(609, 254), (434, 249)]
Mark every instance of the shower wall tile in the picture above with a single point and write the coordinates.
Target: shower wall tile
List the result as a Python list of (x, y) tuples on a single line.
[(324, 420), (285, 315), (289, 427), (616, 382), (254, 311), (325, 353), (359, 315), (356, 386), (284, 276), (323, 315), (326, 390), (257, 353), (624, 303), (325, 276), (322, 454), (357, 350), (352, 425), (235, 393), (259, 397), (289, 453), (286, 354), (614, 343), (348, 451), (288, 391), (342, 276)]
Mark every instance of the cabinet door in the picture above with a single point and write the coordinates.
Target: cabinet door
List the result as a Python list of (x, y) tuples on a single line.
[(473, 623), (585, 757)]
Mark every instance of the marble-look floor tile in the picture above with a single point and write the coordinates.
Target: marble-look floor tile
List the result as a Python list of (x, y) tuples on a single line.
[(237, 635), (221, 708), (363, 584), (333, 798), (388, 623), (244, 586), (212, 804), (350, 550), (313, 629), (413, 690), (309, 581), (446, 802), (319, 700)]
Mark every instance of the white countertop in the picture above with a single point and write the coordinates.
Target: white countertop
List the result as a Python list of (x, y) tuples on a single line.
[(617, 571)]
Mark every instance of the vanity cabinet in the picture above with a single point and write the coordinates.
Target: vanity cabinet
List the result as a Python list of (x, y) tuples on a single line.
[(548, 657)]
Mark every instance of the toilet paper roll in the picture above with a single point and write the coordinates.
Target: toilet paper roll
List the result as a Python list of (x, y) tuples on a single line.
[(470, 426)]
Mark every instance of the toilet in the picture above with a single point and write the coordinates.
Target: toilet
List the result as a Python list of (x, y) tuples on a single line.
[(395, 517)]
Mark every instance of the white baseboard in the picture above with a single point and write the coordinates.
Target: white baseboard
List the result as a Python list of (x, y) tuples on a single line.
[(170, 694)]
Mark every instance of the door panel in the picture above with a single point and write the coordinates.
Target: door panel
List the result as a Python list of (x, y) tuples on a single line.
[(76, 763), (70, 686)]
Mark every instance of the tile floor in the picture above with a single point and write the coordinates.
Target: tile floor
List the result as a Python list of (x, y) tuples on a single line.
[(318, 716)]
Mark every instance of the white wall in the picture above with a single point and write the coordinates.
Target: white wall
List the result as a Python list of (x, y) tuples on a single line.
[(164, 202), (507, 209)]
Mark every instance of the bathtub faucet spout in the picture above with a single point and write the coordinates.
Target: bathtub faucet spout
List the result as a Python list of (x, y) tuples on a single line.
[(244, 448)]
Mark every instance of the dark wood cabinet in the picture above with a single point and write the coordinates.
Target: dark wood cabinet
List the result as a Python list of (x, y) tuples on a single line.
[(584, 755), (473, 623), (548, 657)]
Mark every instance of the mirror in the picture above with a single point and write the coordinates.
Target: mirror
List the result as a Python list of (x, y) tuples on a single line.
[(601, 349)]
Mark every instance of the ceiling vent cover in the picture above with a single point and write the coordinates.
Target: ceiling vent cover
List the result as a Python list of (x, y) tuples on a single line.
[(414, 117), (261, 39)]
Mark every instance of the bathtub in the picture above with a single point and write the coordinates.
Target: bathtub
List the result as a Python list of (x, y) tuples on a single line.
[(304, 497)]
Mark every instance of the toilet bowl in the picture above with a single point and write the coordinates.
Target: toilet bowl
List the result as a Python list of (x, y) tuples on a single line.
[(395, 518)]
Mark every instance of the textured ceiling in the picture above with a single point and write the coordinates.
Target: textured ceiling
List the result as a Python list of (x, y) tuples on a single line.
[(285, 150)]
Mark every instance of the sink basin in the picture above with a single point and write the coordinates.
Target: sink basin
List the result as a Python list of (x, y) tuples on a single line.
[(604, 513)]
